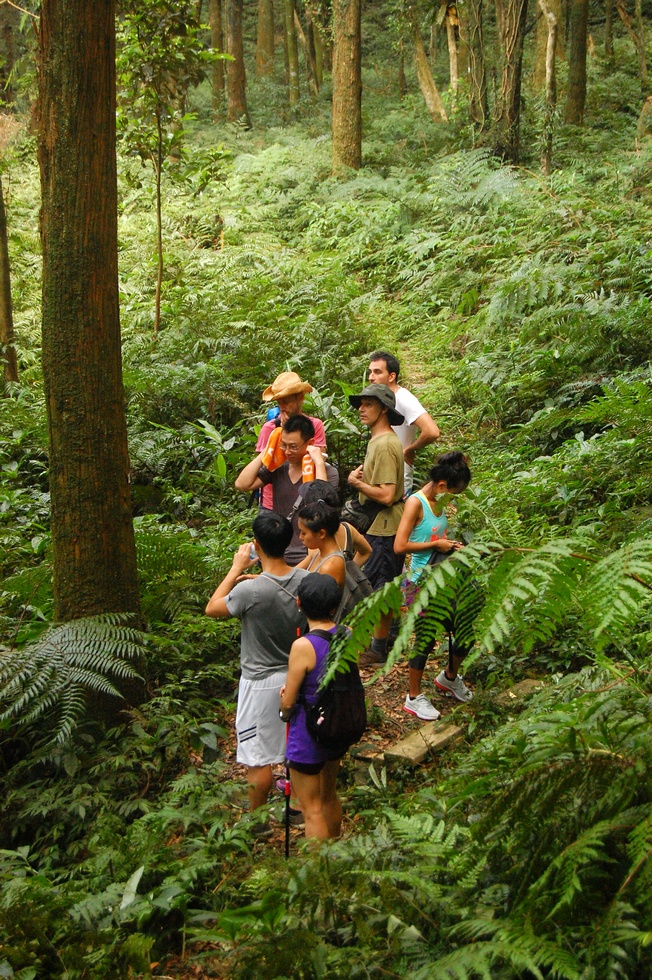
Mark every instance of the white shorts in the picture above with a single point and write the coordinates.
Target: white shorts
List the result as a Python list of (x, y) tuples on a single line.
[(260, 731)]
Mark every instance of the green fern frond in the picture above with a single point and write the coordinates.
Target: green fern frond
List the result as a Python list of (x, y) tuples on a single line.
[(51, 679)]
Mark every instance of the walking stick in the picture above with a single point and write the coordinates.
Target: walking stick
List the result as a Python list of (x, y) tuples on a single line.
[(287, 798)]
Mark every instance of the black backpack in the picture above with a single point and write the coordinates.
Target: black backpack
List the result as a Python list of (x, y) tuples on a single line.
[(338, 717)]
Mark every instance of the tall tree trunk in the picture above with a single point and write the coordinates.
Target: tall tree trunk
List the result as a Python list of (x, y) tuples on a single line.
[(7, 349), (316, 46), (294, 92), (347, 85), (452, 22), (551, 88), (217, 44), (8, 22), (576, 96), (308, 55), (640, 45), (236, 80), (92, 530), (265, 38), (402, 80), (609, 28), (463, 46), (543, 33), (477, 69), (508, 110), (427, 85)]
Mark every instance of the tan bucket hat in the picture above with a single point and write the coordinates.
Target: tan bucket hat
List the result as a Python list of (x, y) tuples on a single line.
[(287, 383)]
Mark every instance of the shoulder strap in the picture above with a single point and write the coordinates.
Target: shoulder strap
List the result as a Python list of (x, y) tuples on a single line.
[(333, 554), (324, 634), (348, 546), (292, 595)]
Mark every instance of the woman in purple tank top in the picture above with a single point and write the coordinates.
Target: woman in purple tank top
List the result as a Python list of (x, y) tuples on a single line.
[(314, 769)]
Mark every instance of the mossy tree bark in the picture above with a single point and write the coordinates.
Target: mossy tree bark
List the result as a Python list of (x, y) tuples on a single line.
[(217, 44), (347, 85), (92, 529), (292, 47), (512, 22), (576, 95), (540, 61), (551, 88), (477, 66), (265, 38), (236, 79), (6, 316), (427, 84), (9, 21)]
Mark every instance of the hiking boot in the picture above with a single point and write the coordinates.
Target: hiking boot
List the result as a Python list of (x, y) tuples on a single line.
[(421, 707), (296, 818), (456, 688), (369, 658), (261, 830)]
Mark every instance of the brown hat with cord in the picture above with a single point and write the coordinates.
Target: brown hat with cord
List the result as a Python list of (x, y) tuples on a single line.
[(386, 397), (288, 383)]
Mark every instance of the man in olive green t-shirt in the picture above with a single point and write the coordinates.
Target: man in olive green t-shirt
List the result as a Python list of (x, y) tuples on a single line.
[(380, 479)]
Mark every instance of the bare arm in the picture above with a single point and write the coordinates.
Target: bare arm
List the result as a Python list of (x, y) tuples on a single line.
[(428, 433), (248, 478), (361, 546), (383, 493), (302, 660)]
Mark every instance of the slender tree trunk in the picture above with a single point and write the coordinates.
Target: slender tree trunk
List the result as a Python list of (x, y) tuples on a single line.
[(308, 55), (609, 28), (477, 69), (463, 46), (158, 170), (236, 80), (402, 80), (508, 110), (551, 88), (294, 92), (8, 17), (576, 96), (427, 85), (265, 38), (92, 530), (217, 44), (316, 46), (7, 349), (640, 44), (322, 18), (451, 23), (543, 33), (347, 85)]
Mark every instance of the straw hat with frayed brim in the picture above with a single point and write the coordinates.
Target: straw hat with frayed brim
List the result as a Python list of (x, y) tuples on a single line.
[(288, 383), (385, 396)]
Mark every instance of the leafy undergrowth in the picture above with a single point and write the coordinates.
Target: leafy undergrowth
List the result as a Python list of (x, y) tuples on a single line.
[(520, 307)]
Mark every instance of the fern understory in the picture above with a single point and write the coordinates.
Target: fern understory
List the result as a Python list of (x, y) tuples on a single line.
[(520, 307)]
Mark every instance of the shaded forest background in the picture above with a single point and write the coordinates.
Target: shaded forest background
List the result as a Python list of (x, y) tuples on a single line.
[(513, 279)]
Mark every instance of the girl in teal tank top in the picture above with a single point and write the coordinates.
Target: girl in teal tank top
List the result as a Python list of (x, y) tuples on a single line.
[(421, 532)]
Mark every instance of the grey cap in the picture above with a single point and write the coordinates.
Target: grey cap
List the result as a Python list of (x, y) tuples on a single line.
[(383, 394)]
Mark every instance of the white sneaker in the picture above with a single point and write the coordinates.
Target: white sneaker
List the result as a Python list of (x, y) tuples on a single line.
[(421, 708), (457, 687)]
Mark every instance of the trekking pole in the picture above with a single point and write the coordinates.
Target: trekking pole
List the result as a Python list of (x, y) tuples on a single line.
[(288, 789)]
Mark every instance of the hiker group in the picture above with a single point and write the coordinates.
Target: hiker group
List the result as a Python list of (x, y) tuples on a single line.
[(317, 559)]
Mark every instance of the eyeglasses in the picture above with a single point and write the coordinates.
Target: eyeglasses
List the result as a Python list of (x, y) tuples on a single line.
[(292, 449)]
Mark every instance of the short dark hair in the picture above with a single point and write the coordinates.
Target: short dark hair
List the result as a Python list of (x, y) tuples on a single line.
[(319, 595), (300, 423), (391, 362), (452, 467), (319, 516), (273, 533)]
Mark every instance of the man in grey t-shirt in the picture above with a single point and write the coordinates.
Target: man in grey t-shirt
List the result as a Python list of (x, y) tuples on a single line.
[(271, 621)]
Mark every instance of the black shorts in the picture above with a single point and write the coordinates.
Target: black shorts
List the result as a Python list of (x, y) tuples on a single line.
[(310, 768), (383, 565)]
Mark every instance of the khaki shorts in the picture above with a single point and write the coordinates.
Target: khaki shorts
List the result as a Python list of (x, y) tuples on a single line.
[(260, 731)]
